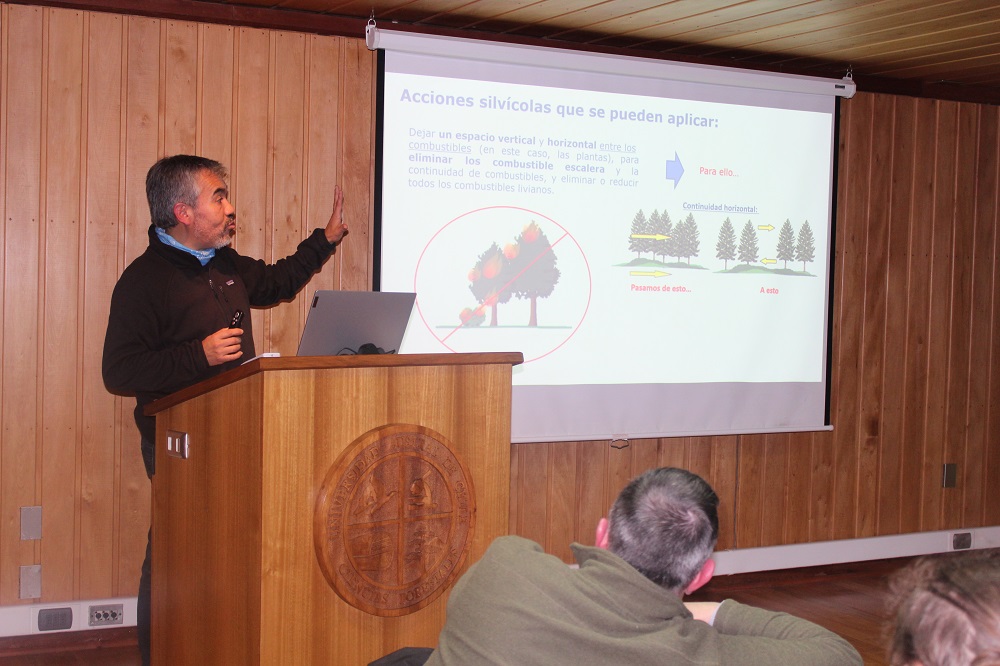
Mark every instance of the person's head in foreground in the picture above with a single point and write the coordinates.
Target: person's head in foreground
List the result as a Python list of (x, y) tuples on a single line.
[(946, 611), (665, 524)]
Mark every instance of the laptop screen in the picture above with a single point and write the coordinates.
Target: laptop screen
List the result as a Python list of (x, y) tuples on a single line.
[(353, 322)]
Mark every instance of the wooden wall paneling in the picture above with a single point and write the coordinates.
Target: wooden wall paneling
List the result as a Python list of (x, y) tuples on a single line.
[(142, 132), (287, 176), (18, 447), (918, 316), (699, 457), (962, 309), (977, 477), (975, 418), (774, 497), (989, 210), (873, 347), (941, 264), (562, 502), (104, 151), (591, 472), (321, 154), (180, 103), (673, 453), (722, 474), (646, 455), (532, 468), (798, 488), (893, 447), (750, 498), (855, 179), (215, 63), (821, 475), (356, 161), (514, 507), (248, 179), (141, 149), (60, 335), (974, 476), (133, 507)]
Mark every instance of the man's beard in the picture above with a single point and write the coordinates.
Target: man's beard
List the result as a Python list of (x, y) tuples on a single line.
[(225, 239)]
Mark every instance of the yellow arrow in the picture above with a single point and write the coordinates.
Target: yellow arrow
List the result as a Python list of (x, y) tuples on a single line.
[(653, 236), (766, 227), (768, 261), (649, 273)]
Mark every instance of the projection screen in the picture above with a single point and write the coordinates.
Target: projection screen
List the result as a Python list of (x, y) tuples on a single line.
[(654, 237)]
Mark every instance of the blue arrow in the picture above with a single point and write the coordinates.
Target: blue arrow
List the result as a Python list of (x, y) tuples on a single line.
[(675, 169)]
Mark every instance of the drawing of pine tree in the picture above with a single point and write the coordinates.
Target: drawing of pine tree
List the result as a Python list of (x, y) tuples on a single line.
[(725, 247)]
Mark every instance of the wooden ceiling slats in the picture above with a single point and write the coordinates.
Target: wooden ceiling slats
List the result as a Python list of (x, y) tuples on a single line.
[(903, 45), (778, 30)]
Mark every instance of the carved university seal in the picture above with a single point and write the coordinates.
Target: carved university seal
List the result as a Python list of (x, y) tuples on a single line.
[(393, 520)]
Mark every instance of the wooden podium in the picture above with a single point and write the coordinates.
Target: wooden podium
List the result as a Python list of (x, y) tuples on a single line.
[(316, 510)]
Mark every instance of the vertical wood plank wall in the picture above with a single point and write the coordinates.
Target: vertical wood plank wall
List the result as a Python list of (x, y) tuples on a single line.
[(89, 100)]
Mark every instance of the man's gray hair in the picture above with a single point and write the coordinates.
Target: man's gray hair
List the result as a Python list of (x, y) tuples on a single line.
[(947, 610), (665, 523), (175, 180)]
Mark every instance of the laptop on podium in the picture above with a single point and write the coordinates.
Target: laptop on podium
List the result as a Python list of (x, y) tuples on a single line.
[(355, 322)]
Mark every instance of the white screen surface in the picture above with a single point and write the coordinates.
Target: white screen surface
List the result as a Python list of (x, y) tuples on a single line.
[(574, 207)]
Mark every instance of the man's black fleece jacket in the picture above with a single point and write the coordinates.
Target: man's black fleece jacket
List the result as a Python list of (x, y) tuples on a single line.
[(165, 303)]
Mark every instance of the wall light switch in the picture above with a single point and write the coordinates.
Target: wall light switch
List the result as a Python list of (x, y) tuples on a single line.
[(31, 582), (31, 523)]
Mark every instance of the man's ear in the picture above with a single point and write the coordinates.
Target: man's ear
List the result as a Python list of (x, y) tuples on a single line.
[(601, 535), (703, 576), (182, 213)]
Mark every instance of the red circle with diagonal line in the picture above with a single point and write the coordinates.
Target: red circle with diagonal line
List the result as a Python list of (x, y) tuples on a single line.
[(535, 326)]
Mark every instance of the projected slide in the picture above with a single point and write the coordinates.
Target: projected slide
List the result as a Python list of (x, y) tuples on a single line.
[(653, 237), (613, 238)]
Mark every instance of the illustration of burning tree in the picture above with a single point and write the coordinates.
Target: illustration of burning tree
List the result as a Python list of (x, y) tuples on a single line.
[(786, 243), (749, 248), (805, 248), (532, 265), (725, 247), (488, 279)]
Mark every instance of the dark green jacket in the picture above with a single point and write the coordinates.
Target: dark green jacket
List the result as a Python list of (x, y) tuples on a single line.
[(518, 605)]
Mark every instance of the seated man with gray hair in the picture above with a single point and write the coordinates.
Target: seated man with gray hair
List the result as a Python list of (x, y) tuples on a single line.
[(623, 605)]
